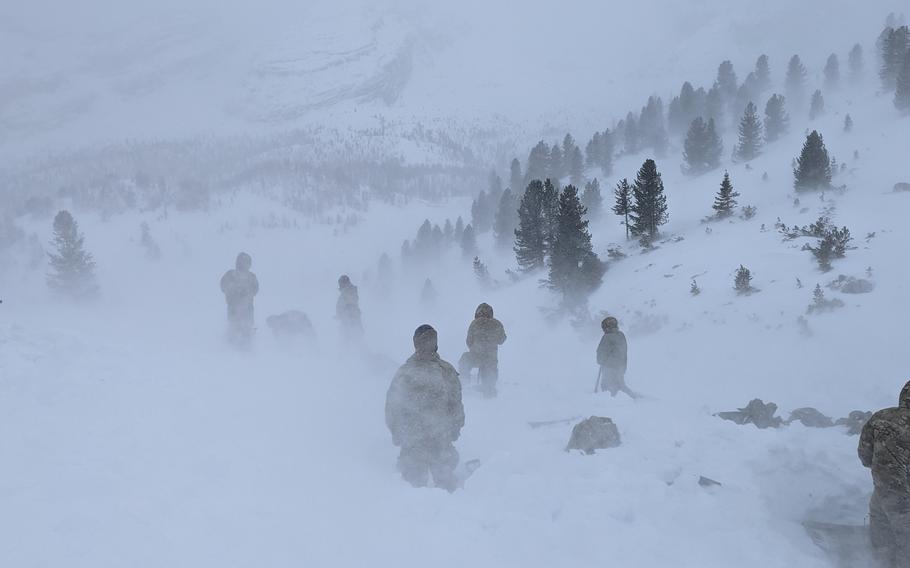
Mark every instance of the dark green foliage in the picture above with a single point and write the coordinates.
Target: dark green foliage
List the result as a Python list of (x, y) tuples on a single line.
[(592, 199), (622, 205), (599, 151), (531, 234), (576, 166), (73, 268), (795, 82), (832, 73), (726, 80), (902, 90), (649, 209), (750, 135), (557, 164), (516, 180), (684, 108), (832, 244), (631, 138), (817, 106), (742, 281), (894, 48), (506, 220), (575, 271), (813, 167), (714, 106), (725, 200), (776, 120), (651, 129), (482, 213), (538, 162), (702, 148)]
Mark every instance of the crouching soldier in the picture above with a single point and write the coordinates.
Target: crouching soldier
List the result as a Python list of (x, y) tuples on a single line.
[(884, 446), (485, 335), (424, 413)]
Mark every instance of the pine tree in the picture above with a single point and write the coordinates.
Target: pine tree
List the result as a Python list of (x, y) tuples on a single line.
[(428, 293), (848, 124), (506, 219), (855, 63), (702, 148), (459, 229), (623, 202), (762, 74), (448, 231), (538, 162), (813, 167), (694, 289), (482, 273), (651, 129), (902, 89), (894, 49), (630, 135), (750, 135), (557, 168), (73, 268), (795, 81), (725, 201), (832, 73), (714, 106), (531, 235), (817, 106), (480, 213), (776, 120), (550, 212), (494, 192), (575, 271), (726, 80), (568, 148), (516, 180), (593, 200), (599, 151), (468, 242), (576, 166), (742, 282), (649, 210)]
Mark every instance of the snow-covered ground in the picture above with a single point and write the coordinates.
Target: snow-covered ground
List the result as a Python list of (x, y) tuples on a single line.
[(132, 435)]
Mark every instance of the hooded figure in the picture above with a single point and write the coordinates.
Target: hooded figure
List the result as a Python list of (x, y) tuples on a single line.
[(884, 446), (611, 356), (424, 413), (240, 286), (485, 335), (347, 309)]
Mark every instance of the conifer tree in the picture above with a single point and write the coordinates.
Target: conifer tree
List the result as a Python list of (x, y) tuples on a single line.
[(848, 124), (813, 167), (817, 106), (651, 130), (593, 200), (459, 229), (482, 272), (599, 151), (726, 80), (649, 209), (630, 135), (832, 73), (702, 148), (795, 82), (538, 162), (448, 231), (516, 180), (725, 201), (894, 49), (568, 148), (762, 74), (714, 106), (550, 212), (468, 242), (576, 166), (855, 63), (557, 169), (73, 268), (750, 135), (481, 217), (902, 89), (506, 219), (575, 271), (776, 120), (531, 234), (622, 204), (742, 281)]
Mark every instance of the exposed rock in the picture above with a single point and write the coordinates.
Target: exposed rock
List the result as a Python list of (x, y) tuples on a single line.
[(594, 433)]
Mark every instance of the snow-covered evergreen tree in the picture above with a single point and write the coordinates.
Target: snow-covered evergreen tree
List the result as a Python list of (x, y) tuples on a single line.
[(702, 148), (902, 87), (855, 63), (832, 73), (622, 204), (538, 162), (813, 167), (516, 179), (506, 219), (817, 106), (575, 271), (777, 123), (531, 234), (795, 81), (894, 49), (762, 74), (592, 199), (725, 200), (742, 281), (576, 166), (726, 81), (649, 208), (72, 267), (750, 135), (468, 242)]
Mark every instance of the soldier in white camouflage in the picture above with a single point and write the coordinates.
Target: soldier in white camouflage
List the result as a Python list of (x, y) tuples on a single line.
[(884, 446), (485, 335), (239, 287), (425, 414)]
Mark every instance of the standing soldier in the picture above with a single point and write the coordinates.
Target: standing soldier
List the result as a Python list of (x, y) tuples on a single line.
[(240, 286), (424, 413), (611, 356), (485, 335), (347, 309), (884, 446)]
